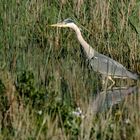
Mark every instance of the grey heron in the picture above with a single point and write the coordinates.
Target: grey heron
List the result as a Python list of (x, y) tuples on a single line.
[(103, 64)]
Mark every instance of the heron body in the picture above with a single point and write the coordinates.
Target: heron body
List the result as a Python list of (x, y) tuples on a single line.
[(99, 62), (109, 67)]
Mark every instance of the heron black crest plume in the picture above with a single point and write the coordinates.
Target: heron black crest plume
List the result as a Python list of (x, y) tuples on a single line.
[(69, 20)]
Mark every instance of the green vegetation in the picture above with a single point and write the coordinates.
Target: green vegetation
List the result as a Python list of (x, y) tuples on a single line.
[(44, 76)]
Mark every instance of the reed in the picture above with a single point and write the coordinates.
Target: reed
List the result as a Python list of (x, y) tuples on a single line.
[(44, 76)]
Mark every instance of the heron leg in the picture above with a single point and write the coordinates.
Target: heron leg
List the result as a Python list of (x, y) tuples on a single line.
[(104, 82), (113, 82)]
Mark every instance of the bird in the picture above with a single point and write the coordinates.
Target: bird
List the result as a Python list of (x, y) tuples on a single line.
[(100, 63)]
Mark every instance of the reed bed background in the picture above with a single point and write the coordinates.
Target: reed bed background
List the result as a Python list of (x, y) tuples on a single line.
[(44, 76)]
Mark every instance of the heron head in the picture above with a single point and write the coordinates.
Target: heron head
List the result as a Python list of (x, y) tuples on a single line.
[(66, 23)]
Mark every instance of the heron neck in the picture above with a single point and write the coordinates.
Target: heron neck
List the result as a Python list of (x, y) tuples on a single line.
[(87, 48)]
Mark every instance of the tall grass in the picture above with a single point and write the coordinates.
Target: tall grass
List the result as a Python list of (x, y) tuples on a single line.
[(44, 76)]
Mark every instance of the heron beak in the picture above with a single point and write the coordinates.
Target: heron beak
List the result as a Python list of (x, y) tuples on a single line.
[(58, 25)]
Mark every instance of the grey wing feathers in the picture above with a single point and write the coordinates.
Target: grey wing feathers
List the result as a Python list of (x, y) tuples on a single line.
[(110, 67)]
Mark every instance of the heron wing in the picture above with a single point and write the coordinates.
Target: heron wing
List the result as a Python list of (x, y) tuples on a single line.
[(107, 66)]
